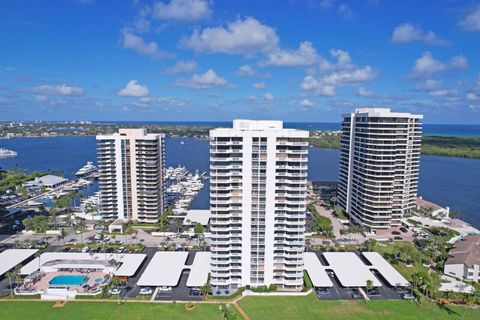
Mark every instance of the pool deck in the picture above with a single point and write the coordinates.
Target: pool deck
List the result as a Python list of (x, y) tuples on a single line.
[(44, 282)]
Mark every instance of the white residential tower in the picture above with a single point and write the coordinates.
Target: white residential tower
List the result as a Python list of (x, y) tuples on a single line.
[(379, 166), (130, 167), (258, 181)]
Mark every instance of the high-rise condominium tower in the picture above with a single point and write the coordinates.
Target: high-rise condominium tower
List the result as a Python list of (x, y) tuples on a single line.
[(379, 165), (130, 165), (257, 199)]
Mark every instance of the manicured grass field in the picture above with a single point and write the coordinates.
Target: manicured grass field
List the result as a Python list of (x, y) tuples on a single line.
[(106, 311), (306, 308)]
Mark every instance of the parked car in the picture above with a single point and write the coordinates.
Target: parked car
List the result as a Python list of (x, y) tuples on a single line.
[(121, 250), (403, 229), (194, 292), (165, 289), (146, 291), (373, 292), (408, 296), (322, 291), (395, 232), (356, 294), (114, 291), (397, 238)]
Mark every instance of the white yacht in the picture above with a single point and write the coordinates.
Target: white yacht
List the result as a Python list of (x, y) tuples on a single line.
[(86, 170), (5, 153)]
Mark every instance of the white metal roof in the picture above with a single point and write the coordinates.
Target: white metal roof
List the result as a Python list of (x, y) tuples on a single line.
[(130, 262), (393, 277), (164, 269), (50, 180), (199, 270), (12, 257), (316, 271), (197, 216), (350, 269)]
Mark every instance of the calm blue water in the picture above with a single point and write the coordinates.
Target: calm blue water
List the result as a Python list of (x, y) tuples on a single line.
[(453, 182), (464, 130), (68, 280)]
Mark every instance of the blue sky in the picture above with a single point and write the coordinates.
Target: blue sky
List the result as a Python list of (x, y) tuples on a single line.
[(201, 60)]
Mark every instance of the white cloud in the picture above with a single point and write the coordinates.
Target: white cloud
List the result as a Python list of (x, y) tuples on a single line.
[(206, 80), (182, 10), (363, 92), (327, 76), (260, 85), (245, 71), (429, 85), (145, 100), (305, 55), (41, 98), (133, 89), (427, 65), (182, 66), (136, 43), (345, 11), (408, 32), (172, 102), (268, 96), (306, 104), (246, 37), (61, 89), (471, 21)]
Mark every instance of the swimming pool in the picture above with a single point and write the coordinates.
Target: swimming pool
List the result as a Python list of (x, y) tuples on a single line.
[(98, 280), (69, 280)]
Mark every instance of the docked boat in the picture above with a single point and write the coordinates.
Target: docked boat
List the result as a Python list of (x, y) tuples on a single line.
[(87, 170), (6, 153)]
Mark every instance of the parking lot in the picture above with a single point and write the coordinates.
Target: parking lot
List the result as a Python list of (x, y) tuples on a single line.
[(340, 292)]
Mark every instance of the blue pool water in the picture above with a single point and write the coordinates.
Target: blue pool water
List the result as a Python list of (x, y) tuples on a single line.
[(98, 280), (69, 280)]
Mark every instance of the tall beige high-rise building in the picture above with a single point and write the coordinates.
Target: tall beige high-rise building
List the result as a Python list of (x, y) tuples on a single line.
[(130, 166), (379, 166), (258, 174)]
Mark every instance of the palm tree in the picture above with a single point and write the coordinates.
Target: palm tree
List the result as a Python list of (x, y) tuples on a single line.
[(205, 290), (38, 255), (369, 285), (10, 275), (80, 227)]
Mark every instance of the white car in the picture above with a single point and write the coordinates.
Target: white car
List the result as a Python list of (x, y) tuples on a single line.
[(146, 291), (165, 289), (115, 291)]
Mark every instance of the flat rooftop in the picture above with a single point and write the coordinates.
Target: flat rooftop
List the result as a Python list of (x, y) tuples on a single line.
[(350, 269), (316, 271), (197, 216), (12, 257), (130, 262), (166, 267), (199, 270), (391, 275)]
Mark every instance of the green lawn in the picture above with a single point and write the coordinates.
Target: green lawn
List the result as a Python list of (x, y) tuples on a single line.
[(106, 310), (305, 308)]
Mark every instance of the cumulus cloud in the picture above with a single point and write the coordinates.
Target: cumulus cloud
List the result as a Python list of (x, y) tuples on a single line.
[(427, 65), (305, 55), (136, 43), (471, 21), (408, 32), (182, 10), (306, 104), (260, 85), (182, 66), (243, 36), (345, 11), (134, 89), (206, 80), (61, 89), (245, 71), (363, 92), (268, 96), (327, 76)]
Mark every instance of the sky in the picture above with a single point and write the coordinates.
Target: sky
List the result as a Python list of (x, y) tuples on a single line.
[(207, 60)]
